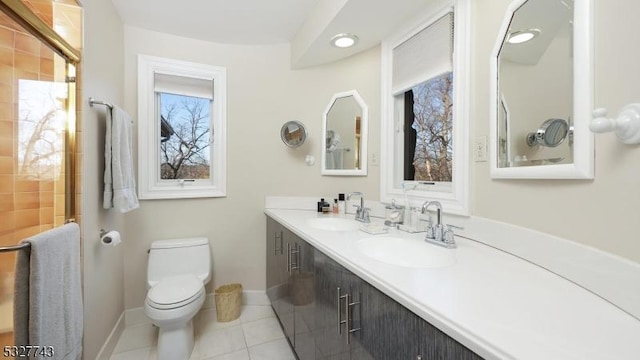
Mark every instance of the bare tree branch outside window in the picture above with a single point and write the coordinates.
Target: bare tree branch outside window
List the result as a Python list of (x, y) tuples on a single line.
[(433, 121), (41, 129), (185, 153)]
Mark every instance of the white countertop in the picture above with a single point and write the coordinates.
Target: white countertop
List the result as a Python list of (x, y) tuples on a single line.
[(496, 304)]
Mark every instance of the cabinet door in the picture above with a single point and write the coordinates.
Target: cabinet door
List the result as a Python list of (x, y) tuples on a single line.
[(435, 344), (387, 329), (279, 251), (354, 309), (329, 333), (286, 309), (303, 298), (275, 256)]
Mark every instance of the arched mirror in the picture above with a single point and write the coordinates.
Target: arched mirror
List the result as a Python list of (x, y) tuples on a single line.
[(293, 134), (344, 125), (542, 91)]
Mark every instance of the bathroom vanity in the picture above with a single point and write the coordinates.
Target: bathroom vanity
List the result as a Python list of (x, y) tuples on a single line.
[(327, 312), (336, 302)]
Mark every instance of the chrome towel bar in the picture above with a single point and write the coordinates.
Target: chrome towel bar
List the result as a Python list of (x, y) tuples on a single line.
[(20, 246), (93, 101)]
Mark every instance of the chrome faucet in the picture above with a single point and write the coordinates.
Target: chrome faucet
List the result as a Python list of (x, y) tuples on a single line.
[(362, 213), (437, 233)]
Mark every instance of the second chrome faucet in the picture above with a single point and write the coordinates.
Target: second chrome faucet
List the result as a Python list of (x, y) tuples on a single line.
[(362, 213), (438, 233)]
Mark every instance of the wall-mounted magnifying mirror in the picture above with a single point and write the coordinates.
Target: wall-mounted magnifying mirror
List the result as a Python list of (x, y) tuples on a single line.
[(541, 75), (344, 125), (293, 134), (551, 133)]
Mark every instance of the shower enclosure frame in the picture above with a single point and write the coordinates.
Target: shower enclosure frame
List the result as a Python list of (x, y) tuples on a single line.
[(19, 12)]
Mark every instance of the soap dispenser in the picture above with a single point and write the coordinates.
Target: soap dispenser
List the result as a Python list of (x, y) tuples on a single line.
[(393, 214)]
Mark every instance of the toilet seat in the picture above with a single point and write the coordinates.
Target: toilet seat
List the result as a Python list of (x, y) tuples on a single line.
[(174, 292)]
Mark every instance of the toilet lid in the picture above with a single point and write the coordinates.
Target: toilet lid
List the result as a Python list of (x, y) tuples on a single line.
[(174, 290)]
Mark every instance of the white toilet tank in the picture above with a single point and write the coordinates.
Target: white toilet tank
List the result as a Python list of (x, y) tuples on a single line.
[(179, 257)]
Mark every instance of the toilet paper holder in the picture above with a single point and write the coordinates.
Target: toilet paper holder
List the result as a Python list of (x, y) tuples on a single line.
[(106, 237), (103, 232)]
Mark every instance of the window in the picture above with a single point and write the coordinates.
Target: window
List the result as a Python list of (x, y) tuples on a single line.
[(425, 122), (428, 125), (182, 136)]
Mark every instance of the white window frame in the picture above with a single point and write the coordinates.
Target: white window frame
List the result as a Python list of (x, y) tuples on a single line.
[(454, 199), (150, 185)]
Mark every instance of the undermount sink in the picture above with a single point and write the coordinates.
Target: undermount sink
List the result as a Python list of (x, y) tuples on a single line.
[(333, 224), (406, 252)]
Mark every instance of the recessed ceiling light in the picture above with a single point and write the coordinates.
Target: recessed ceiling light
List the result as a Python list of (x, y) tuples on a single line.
[(344, 40), (518, 37)]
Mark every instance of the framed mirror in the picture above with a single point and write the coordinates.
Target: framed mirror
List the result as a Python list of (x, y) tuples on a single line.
[(542, 91), (293, 134), (344, 128)]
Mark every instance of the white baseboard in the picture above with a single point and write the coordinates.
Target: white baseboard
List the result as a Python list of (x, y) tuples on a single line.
[(111, 342)]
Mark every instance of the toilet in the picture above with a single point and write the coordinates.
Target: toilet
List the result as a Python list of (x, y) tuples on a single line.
[(177, 271)]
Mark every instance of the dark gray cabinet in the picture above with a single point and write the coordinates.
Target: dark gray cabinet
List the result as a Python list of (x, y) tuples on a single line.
[(290, 287), (303, 298), (279, 250), (329, 313)]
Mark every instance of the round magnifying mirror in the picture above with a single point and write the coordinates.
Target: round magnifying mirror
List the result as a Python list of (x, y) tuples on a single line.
[(293, 134), (550, 134)]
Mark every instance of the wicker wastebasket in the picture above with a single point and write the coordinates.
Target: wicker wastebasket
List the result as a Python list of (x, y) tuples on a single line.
[(228, 302)]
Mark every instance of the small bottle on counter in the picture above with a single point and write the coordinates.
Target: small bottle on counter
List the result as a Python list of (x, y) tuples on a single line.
[(342, 208), (326, 207)]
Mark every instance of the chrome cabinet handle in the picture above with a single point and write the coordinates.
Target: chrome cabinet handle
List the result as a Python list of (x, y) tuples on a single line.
[(275, 242), (295, 251), (290, 252), (340, 298), (288, 258), (349, 313)]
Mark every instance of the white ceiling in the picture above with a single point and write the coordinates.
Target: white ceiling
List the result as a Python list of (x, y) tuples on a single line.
[(306, 24), (222, 21)]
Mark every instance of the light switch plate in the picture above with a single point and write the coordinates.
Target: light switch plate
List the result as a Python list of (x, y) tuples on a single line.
[(480, 149)]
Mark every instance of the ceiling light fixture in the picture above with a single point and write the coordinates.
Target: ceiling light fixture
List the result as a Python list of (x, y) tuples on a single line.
[(344, 40), (518, 37)]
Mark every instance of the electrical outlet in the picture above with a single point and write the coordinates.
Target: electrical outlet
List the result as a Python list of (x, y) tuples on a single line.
[(480, 149)]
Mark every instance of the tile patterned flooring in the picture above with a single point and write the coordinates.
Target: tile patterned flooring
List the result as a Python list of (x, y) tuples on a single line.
[(256, 335)]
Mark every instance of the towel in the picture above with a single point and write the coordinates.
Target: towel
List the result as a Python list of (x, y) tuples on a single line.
[(119, 182), (48, 274)]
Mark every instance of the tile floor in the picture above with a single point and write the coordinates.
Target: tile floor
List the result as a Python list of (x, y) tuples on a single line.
[(256, 335)]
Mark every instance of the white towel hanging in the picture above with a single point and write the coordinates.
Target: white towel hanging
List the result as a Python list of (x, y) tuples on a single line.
[(119, 182)]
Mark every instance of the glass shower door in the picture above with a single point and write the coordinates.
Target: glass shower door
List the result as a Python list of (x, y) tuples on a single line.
[(37, 140)]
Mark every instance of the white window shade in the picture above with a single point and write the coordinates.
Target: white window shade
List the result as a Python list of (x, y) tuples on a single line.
[(172, 84), (424, 56)]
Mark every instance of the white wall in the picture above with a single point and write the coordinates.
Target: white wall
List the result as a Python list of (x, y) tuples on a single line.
[(101, 77), (263, 93), (603, 212)]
